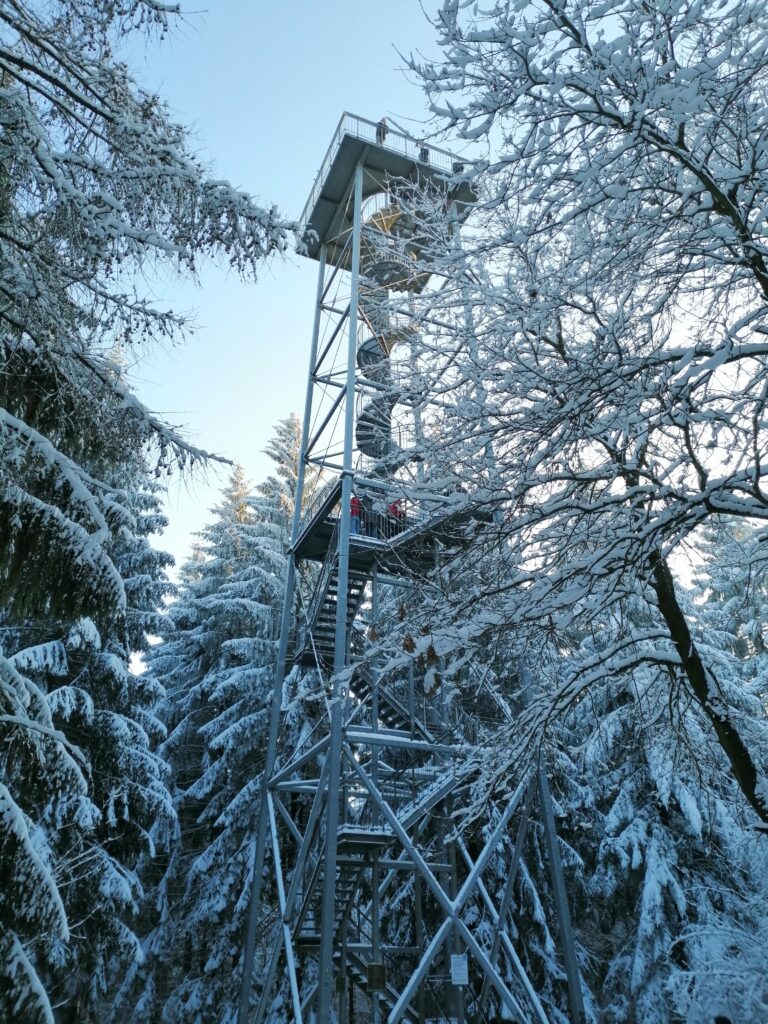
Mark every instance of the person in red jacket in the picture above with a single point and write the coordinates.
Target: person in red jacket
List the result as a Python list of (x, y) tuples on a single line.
[(354, 515), (396, 511)]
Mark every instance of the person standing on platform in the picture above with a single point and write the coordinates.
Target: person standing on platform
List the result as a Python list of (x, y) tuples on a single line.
[(356, 508), (396, 511), (381, 131)]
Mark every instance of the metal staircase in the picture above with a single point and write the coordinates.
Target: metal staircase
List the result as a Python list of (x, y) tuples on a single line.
[(391, 712), (318, 641), (347, 881), (357, 968)]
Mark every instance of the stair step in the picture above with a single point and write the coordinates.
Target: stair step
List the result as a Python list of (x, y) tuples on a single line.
[(358, 971)]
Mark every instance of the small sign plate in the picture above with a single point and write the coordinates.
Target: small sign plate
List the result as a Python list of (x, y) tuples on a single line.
[(459, 969)]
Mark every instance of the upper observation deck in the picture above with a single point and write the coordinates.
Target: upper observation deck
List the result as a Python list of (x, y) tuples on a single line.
[(385, 153)]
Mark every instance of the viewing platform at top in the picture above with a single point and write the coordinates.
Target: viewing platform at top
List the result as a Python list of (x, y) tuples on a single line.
[(386, 153)]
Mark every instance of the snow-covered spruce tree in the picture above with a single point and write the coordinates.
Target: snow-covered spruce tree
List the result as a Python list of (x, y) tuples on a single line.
[(88, 837), (96, 182), (217, 666), (43, 783), (723, 971), (670, 857), (618, 276), (106, 712)]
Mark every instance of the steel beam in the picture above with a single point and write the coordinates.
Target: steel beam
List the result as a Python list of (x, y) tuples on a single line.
[(450, 907), (309, 833), (567, 944), (287, 940), (293, 766), (325, 984), (509, 887), (517, 967)]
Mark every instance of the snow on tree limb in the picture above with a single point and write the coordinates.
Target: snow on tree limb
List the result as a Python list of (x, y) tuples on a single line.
[(610, 301)]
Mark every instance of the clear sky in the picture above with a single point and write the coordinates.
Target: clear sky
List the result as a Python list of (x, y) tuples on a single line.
[(263, 86)]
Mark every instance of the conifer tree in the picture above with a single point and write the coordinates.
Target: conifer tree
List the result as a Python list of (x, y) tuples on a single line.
[(43, 790), (103, 713), (723, 971), (674, 860), (96, 181), (217, 664)]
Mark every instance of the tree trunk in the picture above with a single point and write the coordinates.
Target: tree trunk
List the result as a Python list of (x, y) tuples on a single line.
[(706, 689)]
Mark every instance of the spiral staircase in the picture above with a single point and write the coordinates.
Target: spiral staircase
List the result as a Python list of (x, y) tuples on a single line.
[(389, 263)]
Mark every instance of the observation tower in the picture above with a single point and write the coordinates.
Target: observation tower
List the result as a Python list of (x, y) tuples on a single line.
[(382, 908)]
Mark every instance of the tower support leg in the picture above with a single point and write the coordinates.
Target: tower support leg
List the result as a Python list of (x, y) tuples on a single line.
[(325, 985), (568, 947), (509, 886)]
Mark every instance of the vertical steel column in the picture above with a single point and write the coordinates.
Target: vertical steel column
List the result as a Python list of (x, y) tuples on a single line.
[(344, 988), (509, 885), (418, 902), (568, 948), (445, 877), (325, 984), (412, 700), (375, 870), (282, 654), (456, 945)]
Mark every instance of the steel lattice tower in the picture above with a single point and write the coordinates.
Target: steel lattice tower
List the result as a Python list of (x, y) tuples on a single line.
[(356, 809)]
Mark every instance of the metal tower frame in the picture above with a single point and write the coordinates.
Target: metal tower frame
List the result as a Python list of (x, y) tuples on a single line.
[(366, 798)]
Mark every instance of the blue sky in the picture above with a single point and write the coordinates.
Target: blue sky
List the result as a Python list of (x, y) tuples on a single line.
[(263, 86)]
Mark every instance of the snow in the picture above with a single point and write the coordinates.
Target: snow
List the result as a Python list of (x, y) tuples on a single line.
[(597, 384)]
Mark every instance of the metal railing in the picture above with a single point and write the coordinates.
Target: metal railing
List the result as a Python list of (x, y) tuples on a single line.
[(369, 131), (323, 581), (312, 507)]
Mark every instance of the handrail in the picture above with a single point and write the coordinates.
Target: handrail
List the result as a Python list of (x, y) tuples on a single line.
[(389, 698), (324, 495), (331, 559), (369, 131)]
